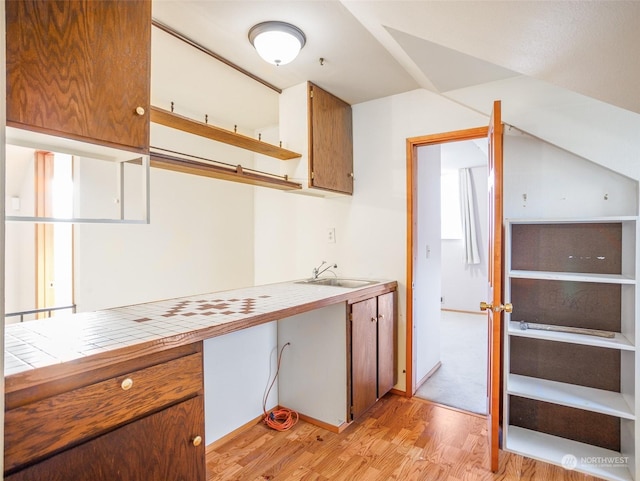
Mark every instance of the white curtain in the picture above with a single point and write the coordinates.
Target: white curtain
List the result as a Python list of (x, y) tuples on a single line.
[(469, 232)]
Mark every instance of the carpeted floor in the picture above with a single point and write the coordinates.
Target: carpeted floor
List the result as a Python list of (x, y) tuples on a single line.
[(461, 380)]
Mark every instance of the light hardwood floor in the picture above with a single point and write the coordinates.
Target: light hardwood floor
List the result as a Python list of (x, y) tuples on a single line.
[(398, 439)]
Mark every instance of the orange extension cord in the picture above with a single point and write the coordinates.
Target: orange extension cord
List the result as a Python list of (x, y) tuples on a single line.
[(278, 419)]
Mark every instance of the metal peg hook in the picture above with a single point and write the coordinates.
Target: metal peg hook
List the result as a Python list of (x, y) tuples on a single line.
[(206, 118), (259, 136), (172, 106), (235, 129)]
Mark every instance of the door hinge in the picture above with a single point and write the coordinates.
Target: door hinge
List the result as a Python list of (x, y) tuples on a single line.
[(313, 175), (311, 93), (351, 317)]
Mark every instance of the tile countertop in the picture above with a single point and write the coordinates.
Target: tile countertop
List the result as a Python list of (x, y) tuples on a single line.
[(90, 339)]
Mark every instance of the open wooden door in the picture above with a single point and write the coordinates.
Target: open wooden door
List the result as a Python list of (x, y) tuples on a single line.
[(493, 306)]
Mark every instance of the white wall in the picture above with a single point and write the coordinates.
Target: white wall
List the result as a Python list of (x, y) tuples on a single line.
[(238, 370), (19, 237), (199, 240), (427, 259), (559, 184), (371, 224)]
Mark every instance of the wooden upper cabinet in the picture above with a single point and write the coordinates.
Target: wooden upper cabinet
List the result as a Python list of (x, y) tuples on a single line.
[(80, 69), (330, 142)]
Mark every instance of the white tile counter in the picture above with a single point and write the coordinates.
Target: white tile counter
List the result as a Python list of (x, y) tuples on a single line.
[(36, 349)]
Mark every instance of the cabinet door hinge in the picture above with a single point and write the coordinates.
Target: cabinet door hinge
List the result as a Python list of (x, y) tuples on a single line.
[(351, 317), (311, 93), (313, 175)]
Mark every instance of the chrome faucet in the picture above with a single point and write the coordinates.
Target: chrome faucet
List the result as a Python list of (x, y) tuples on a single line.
[(317, 271)]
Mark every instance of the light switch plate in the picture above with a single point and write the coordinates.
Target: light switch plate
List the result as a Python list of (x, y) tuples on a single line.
[(331, 235)]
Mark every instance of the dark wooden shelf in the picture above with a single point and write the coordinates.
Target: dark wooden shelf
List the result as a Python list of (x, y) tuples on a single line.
[(175, 121)]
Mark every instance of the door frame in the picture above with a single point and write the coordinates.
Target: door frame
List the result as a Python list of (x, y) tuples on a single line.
[(412, 158)]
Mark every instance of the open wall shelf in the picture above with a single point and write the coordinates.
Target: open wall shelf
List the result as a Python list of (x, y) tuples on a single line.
[(178, 122)]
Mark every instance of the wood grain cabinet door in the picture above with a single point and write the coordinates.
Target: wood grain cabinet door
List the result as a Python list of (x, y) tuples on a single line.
[(364, 370), (387, 359), (330, 142), (80, 69), (159, 447)]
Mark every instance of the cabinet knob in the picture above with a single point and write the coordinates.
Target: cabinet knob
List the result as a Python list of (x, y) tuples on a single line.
[(127, 384), (140, 110), (374, 319), (381, 316), (197, 441), (350, 174)]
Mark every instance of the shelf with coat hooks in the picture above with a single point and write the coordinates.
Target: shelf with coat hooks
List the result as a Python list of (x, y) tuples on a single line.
[(203, 129)]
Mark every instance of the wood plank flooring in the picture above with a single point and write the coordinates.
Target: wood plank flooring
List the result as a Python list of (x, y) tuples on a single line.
[(398, 439)]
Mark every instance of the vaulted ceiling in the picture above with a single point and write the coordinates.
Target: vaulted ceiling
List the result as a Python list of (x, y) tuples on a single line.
[(372, 49), (577, 57)]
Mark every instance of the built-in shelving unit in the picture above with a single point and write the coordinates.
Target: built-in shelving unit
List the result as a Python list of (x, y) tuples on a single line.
[(569, 397)]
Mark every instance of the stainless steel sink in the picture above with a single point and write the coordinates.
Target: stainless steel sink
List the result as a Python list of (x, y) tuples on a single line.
[(338, 282)]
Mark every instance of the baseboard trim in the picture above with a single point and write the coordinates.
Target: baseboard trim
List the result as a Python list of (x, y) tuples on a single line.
[(428, 375), (398, 392), (323, 425), (451, 408), (245, 427)]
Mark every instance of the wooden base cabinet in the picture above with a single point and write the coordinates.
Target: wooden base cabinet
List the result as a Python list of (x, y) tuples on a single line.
[(570, 393), (159, 447), (373, 350), (137, 420)]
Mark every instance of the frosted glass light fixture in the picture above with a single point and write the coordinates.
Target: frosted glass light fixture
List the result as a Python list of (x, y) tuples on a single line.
[(277, 42)]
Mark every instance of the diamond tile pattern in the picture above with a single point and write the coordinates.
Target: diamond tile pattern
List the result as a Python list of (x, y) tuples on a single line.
[(45, 342)]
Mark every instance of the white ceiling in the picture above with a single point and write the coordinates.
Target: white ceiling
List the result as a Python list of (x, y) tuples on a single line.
[(373, 49), (567, 71)]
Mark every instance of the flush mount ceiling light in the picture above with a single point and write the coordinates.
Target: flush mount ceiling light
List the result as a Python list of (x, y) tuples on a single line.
[(277, 42)]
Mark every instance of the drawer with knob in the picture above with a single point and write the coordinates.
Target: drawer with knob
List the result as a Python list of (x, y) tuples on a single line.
[(49, 425)]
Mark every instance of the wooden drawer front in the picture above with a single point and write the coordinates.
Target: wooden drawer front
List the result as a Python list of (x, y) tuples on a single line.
[(35, 430)]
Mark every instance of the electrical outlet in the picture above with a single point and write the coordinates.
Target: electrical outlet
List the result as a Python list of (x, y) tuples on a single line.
[(331, 235)]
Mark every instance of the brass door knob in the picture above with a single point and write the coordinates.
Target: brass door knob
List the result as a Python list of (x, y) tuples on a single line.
[(127, 384), (485, 306), (197, 441), (508, 307)]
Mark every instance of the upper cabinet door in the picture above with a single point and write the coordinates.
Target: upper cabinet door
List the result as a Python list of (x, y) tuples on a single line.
[(330, 142), (80, 69)]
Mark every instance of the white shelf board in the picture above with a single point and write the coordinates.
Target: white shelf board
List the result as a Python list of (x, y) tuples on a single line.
[(553, 449), (572, 276), (62, 145), (586, 398), (618, 342)]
